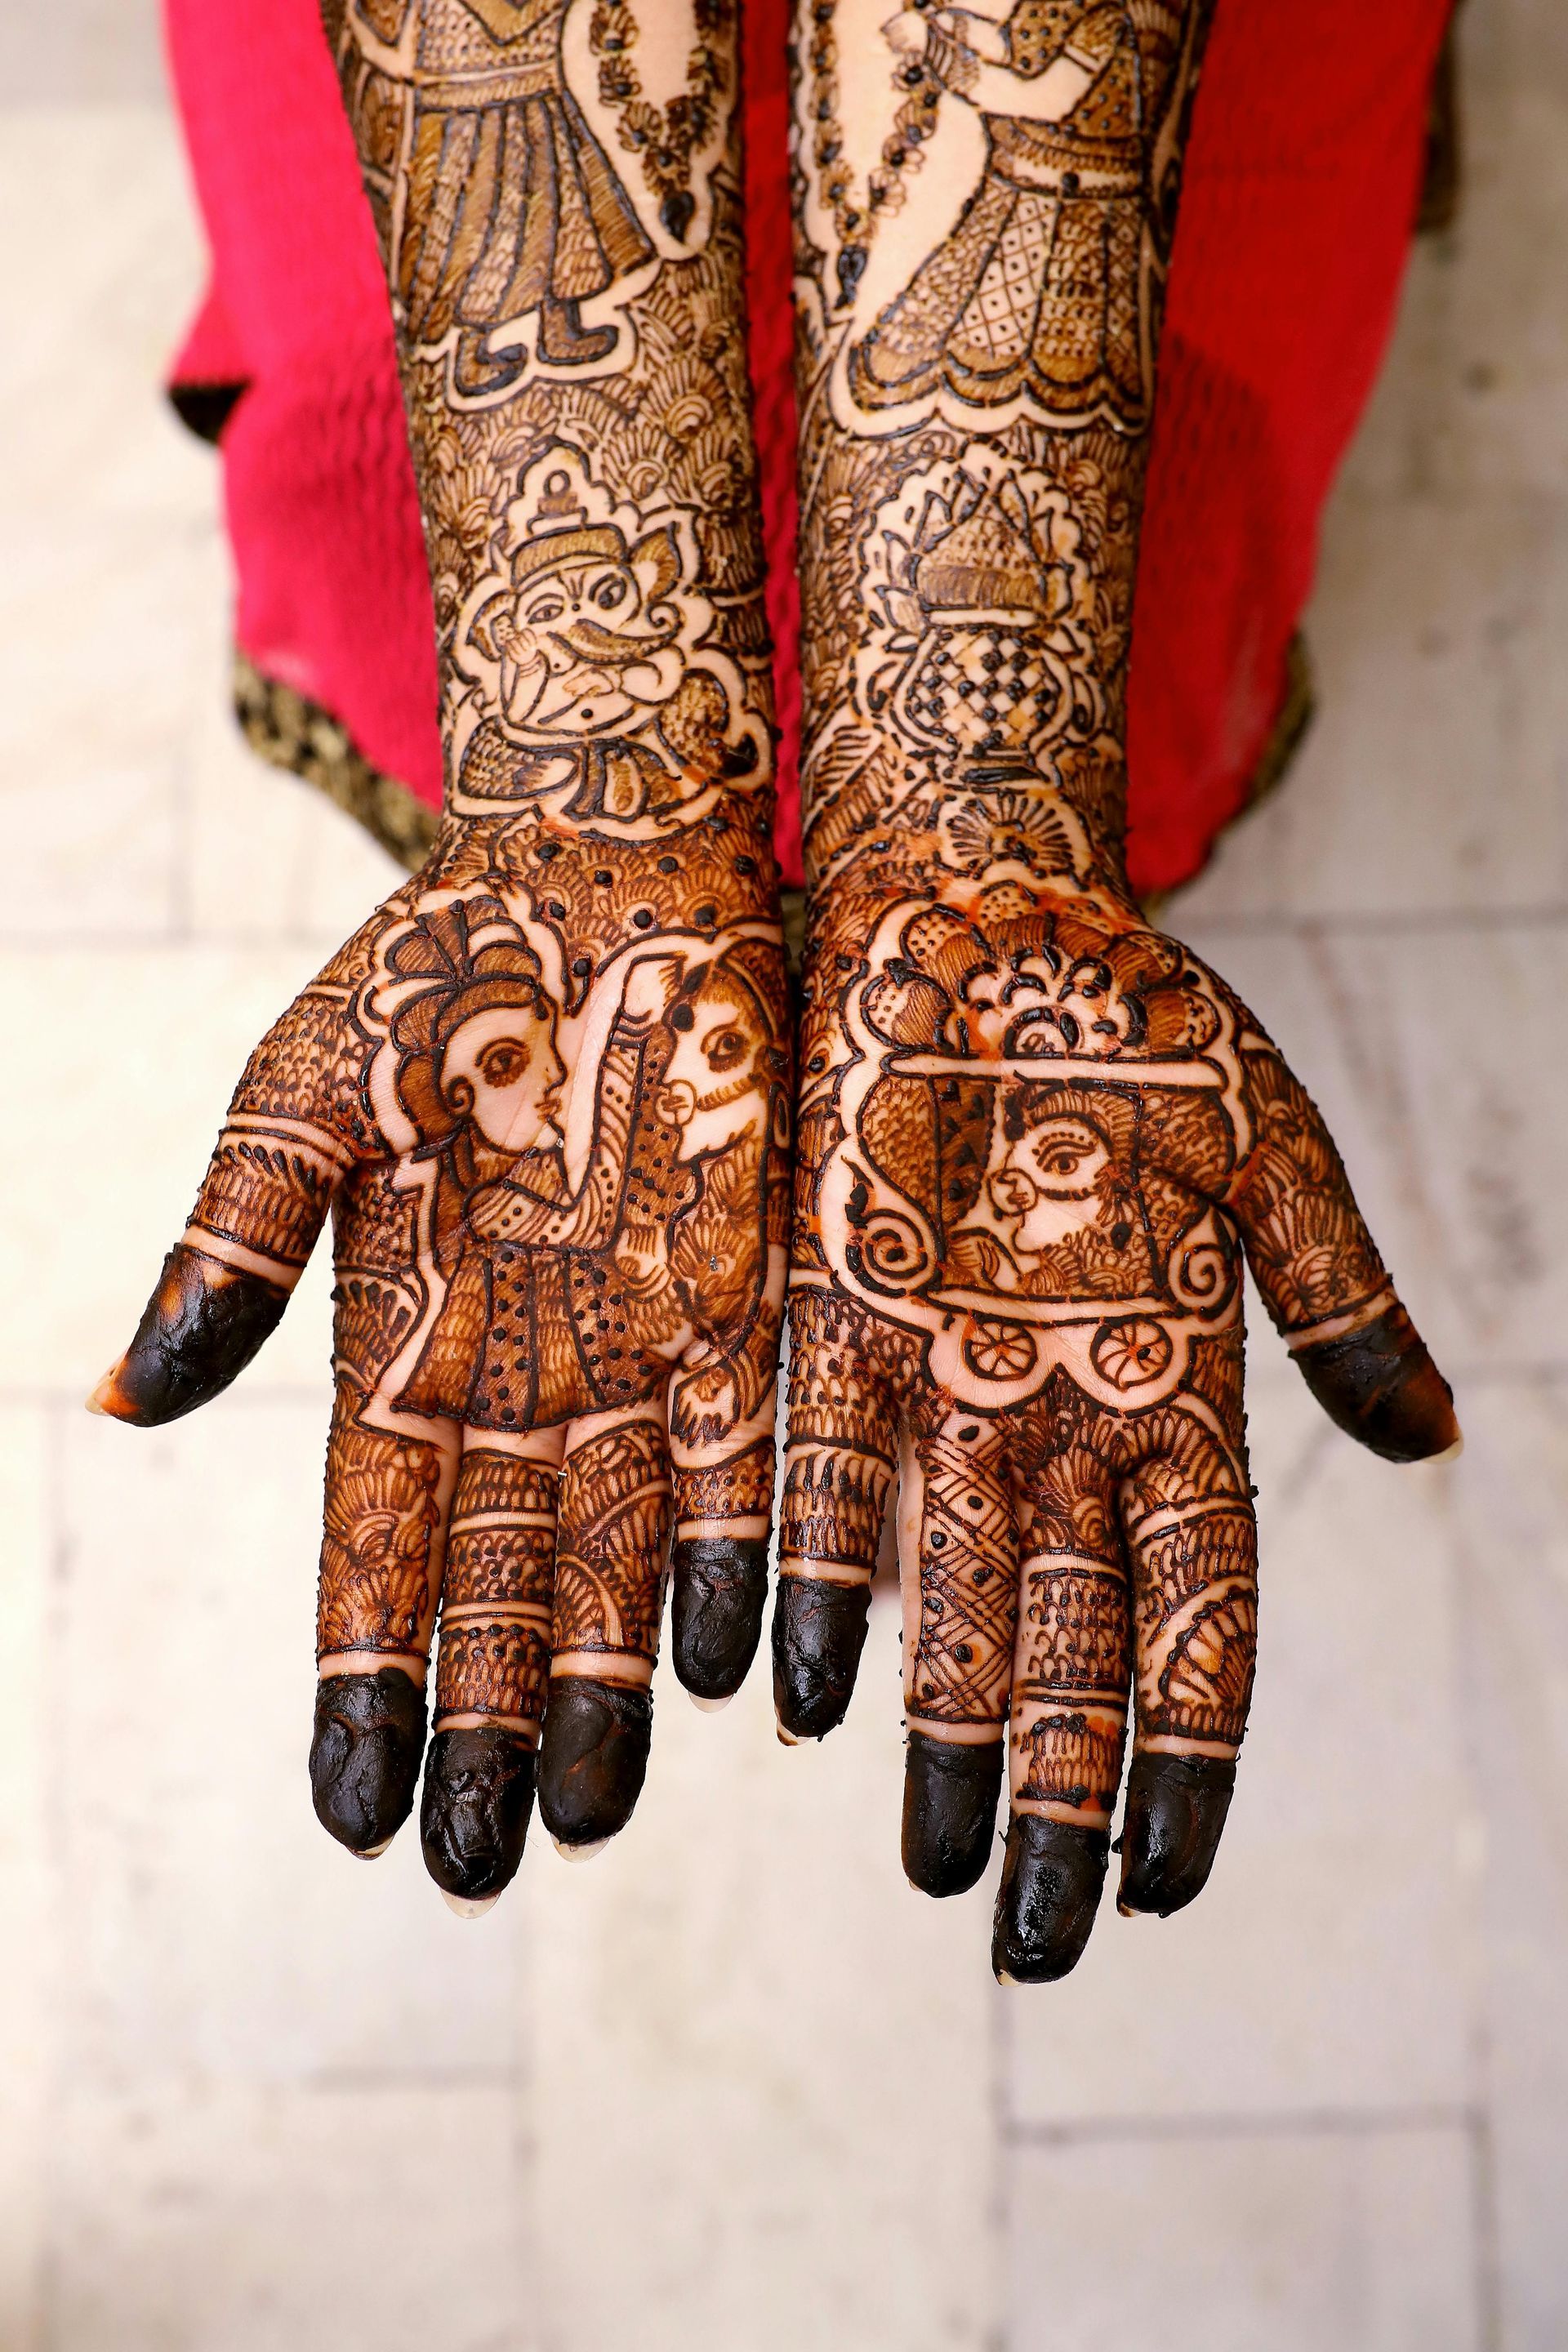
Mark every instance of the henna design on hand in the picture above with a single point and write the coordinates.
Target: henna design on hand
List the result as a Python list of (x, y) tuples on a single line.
[(543, 1092), (1036, 1138)]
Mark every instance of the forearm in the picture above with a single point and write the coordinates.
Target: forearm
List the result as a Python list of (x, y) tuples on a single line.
[(567, 294), (975, 430)]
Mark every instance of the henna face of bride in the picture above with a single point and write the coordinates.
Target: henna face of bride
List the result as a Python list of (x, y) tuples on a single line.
[(501, 1069), (1047, 1187)]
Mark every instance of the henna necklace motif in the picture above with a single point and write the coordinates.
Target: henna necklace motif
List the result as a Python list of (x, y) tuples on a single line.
[(665, 138), (856, 217)]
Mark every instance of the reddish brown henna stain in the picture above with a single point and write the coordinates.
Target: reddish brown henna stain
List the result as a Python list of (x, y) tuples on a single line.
[(1037, 1139), (544, 1091)]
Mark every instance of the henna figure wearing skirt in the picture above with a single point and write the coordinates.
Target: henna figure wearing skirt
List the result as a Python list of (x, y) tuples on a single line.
[(544, 222), (1035, 291)]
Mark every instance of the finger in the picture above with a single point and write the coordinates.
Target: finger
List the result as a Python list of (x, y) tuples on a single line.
[(958, 1563), (1377, 1382), (1323, 1282), (1070, 1676), (723, 1495), (722, 1409), (1193, 1541), (386, 1505), (838, 1466), (611, 1551), (286, 1144), (492, 1665)]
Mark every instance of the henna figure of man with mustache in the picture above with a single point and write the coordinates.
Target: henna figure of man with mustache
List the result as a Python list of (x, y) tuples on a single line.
[(583, 669)]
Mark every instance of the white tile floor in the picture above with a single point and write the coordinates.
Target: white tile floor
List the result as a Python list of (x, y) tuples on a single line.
[(735, 2088)]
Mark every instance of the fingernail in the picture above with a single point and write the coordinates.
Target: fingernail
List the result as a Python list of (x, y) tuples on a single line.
[(369, 1853), (579, 1853), (1449, 1453), (469, 1907), (787, 1738), (711, 1706), (102, 1398)]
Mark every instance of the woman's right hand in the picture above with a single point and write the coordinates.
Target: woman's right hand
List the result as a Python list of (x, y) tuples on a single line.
[(540, 1060)]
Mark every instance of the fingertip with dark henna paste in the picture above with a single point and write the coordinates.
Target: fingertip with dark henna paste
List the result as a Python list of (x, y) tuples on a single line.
[(1380, 1386), (1052, 1877), (593, 1757), (474, 1814), (198, 1331), (364, 1755), (1176, 1808), (819, 1631), (720, 1589), (951, 1793)]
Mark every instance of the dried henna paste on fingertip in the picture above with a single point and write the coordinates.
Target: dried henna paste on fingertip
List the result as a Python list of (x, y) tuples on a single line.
[(1380, 1386), (474, 1814), (364, 1755), (202, 1326), (721, 1589), (1176, 1809), (819, 1631), (951, 1793), (1052, 1877), (593, 1757)]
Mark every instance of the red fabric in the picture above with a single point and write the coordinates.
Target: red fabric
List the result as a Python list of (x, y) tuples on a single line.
[(1302, 180)]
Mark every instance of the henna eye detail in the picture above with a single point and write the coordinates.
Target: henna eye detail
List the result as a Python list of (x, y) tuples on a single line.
[(609, 593), (682, 1018), (725, 1048), (1065, 1160), (502, 1063)]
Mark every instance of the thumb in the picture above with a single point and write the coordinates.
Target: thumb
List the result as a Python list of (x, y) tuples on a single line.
[(1324, 1283), (284, 1149)]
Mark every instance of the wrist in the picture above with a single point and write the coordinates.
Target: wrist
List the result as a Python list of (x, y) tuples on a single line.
[(1065, 834), (597, 892)]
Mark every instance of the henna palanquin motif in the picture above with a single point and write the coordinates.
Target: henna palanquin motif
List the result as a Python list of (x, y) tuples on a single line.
[(543, 1091), (1036, 1138)]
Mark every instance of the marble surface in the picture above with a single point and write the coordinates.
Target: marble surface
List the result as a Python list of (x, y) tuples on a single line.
[(733, 2085)]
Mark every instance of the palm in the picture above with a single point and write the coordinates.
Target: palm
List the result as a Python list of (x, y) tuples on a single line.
[(1037, 1137), (549, 1122)]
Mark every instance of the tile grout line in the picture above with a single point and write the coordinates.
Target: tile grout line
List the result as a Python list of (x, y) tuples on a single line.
[(55, 1823), (998, 2205), (1310, 2123), (1487, 2262), (1406, 922)]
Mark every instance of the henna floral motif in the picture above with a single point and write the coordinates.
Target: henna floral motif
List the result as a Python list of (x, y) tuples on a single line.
[(543, 1090), (1036, 1138)]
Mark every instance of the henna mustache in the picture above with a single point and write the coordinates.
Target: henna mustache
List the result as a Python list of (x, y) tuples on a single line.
[(590, 642), (680, 1101)]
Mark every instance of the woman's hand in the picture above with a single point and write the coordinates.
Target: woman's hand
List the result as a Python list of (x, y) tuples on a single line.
[(1036, 1139), (543, 1092)]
